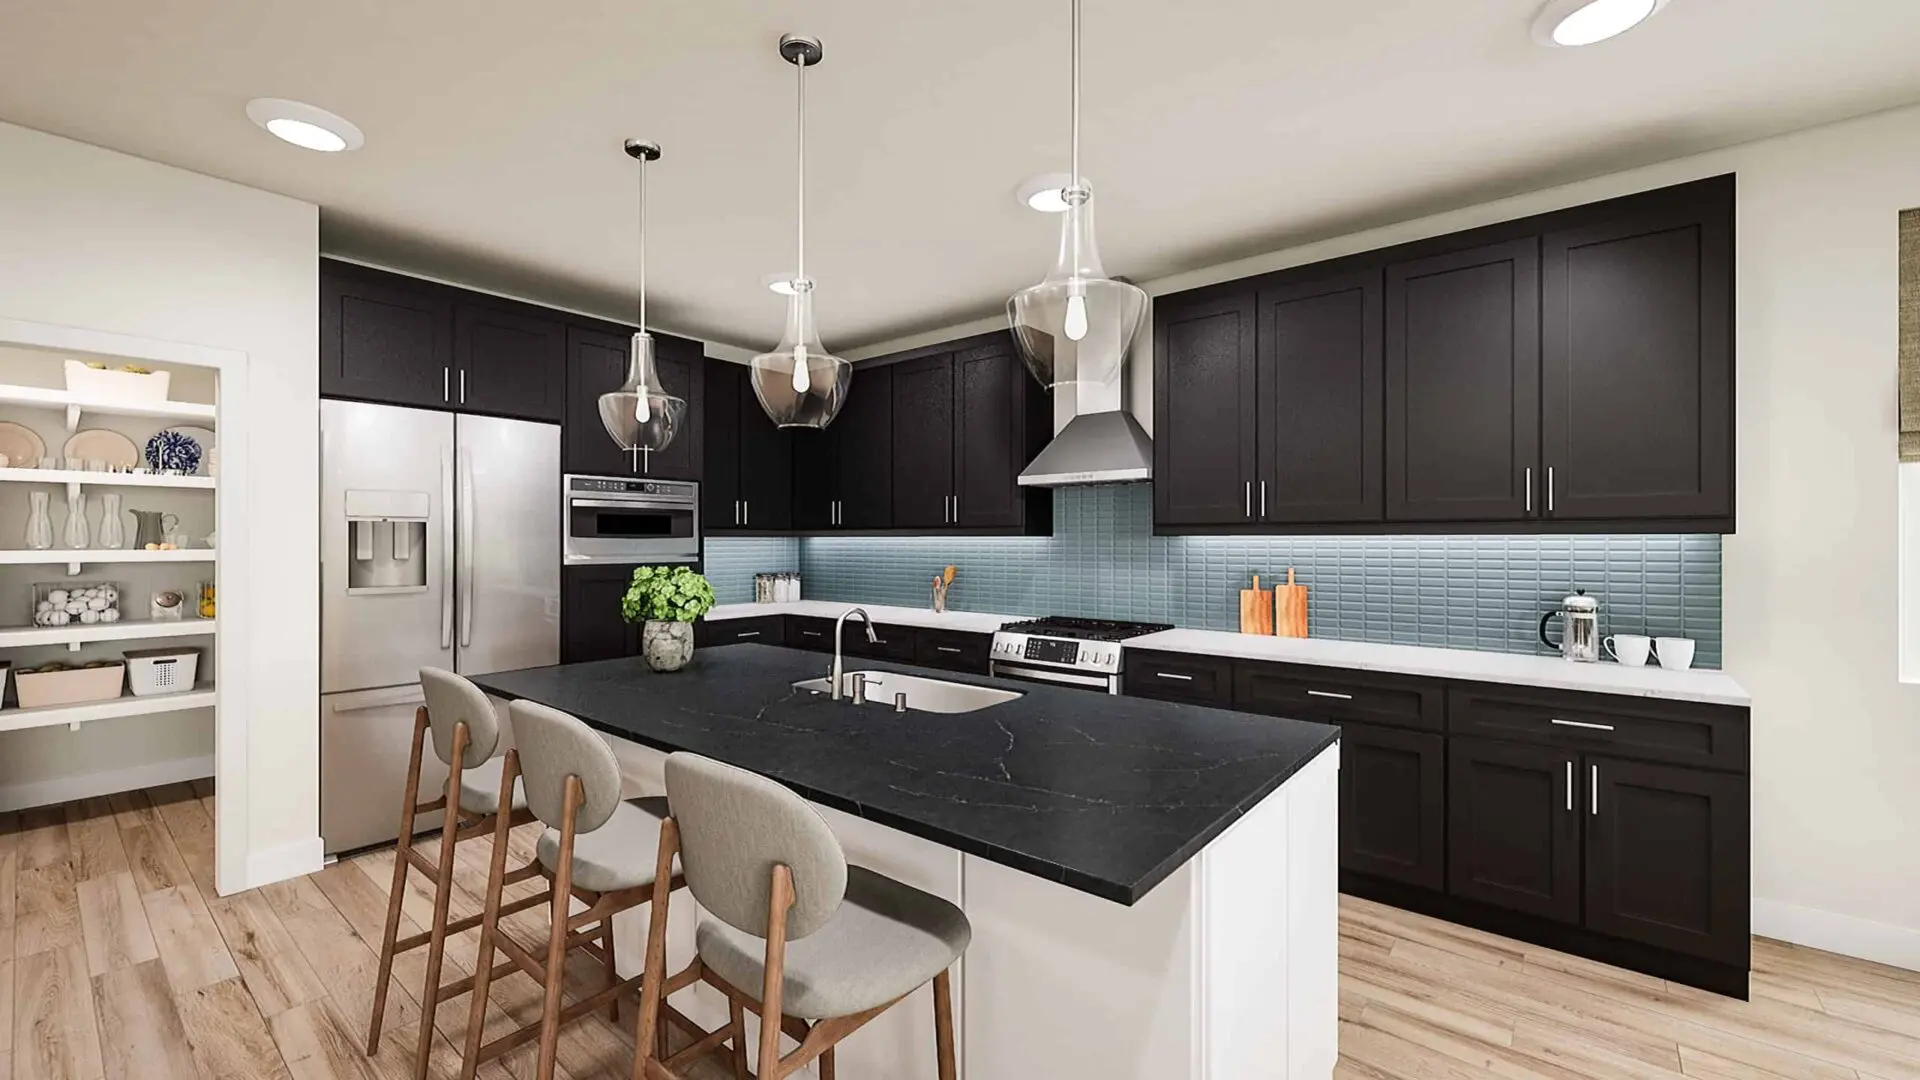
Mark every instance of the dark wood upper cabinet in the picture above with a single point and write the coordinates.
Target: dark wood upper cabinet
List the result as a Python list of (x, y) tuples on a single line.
[(1463, 384), (816, 480), (1393, 804), (682, 365), (385, 337), (995, 436), (1667, 856), (1637, 361), (923, 442), (863, 436), (1205, 408), (1321, 399), (1513, 827), (720, 489), (510, 361), (596, 363), (748, 478)]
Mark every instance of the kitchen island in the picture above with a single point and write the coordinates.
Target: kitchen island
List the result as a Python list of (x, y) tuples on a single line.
[(1152, 886)]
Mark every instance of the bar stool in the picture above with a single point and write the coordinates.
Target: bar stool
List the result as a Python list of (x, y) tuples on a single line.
[(842, 944), (596, 848), (466, 732)]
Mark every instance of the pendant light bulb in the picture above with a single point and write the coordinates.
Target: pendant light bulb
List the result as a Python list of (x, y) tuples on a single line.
[(1078, 324), (641, 415), (799, 383)]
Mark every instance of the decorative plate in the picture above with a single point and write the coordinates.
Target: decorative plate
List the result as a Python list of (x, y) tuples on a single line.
[(173, 452), (99, 444), (23, 447), (203, 436)]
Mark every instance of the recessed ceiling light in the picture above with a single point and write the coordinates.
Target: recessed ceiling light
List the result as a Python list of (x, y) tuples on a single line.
[(781, 282), (304, 125), (1573, 23), (1042, 193)]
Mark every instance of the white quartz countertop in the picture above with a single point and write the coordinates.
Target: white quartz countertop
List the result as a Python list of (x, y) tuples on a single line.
[(1709, 687)]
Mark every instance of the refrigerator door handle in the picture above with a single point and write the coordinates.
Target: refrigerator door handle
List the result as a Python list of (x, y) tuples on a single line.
[(446, 548), (466, 547)]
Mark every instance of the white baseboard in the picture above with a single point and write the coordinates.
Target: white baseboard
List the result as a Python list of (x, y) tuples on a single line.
[(286, 861), (1883, 943), (107, 782)]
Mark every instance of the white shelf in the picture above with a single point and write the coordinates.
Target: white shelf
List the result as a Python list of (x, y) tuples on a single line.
[(74, 560), (200, 697), (125, 630), (103, 479), (76, 406)]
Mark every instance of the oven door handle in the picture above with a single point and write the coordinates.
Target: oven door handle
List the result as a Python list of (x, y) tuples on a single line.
[(633, 504), (1004, 671)]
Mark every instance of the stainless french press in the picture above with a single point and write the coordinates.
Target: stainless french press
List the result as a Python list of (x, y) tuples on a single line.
[(1580, 636)]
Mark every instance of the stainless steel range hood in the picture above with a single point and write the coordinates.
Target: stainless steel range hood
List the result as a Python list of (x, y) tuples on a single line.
[(1102, 444)]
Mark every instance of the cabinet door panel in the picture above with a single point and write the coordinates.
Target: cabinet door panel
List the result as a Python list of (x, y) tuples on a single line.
[(1204, 410), (591, 626), (863, 448), (596, 363), (1463, 384), (816, 477), (988, 426), (1637, 365), (1321, 397), (1513, 827), (923, 442), (682, 367), (1393, 805), (384, 337), (513, 362), (766, 464), (720, 483), (1667, 857)]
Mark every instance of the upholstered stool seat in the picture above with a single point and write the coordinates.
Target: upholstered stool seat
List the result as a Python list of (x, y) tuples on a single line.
[(617, 855), (480, 788), (885, 940)]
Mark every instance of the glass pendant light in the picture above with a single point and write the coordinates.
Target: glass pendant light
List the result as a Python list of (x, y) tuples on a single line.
[(640, 415), (799, 383), (1078, 324)]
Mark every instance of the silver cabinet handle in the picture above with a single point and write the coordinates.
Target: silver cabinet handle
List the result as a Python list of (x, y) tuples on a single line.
[(1557, 722), (746, 512), (1549, 489), (466, 547), (463, 386), (446, 548), (1569, 785), (744, 634), (646, 460), (1593, 789), (446, 374), (956, 509), (1263, 500), (1330, 694), (812, 633), (1529, 486), (945, 648), (1249, 500), (1171, 675)]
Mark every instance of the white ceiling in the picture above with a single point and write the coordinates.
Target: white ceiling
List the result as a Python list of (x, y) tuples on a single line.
[(1214, 129)]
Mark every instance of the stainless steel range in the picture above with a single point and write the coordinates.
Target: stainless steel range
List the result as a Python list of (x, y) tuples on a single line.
[(1072, 652)]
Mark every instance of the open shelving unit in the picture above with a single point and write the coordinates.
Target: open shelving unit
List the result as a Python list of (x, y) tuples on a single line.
[(76, 406), (104, 479), (200, 697), (74, 636)]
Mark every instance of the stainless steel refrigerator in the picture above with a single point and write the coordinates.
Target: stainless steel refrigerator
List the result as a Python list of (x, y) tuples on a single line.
[(440, 546)]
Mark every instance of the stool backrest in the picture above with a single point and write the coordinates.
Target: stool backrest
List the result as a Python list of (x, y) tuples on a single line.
[(554, 746), (735, 826), (451, 699)]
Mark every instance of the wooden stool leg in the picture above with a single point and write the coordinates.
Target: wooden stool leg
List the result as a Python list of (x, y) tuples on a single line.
[(737, 1022), (649, 1032), (613, 968), (942, 1024), (826, 1064), (442, 896), (400, 859), (490, 920), (557, 934)]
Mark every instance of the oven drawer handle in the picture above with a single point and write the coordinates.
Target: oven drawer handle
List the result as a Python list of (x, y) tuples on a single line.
[(1171, 675), (1330, 694), (1557, 722)]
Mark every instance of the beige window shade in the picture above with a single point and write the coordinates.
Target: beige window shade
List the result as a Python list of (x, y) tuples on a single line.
[(1910, 335)]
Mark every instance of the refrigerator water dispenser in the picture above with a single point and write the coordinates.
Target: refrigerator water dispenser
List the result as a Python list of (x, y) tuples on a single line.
[(387, 541)]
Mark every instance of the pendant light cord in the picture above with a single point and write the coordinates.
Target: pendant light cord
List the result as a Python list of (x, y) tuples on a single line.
[(643, 244), (800, 171), (1075, 182)]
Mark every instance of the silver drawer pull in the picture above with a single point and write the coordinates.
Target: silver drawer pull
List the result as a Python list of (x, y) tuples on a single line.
[(1171, 675), (747, 634), (812, 633), (1330, 694), (945, 648), (1557, 722)]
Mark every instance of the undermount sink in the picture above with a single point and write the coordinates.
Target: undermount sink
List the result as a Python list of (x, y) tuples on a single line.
[(924, 695)]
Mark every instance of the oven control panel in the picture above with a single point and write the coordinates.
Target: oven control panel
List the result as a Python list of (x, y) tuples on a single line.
[(1067, 653)]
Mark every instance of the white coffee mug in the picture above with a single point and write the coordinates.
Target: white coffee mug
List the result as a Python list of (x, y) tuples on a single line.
[(1674, 653), (1629, 649)]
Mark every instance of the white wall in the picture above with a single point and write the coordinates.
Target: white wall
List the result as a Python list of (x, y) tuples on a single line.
[(102, 241), (1810, 587)]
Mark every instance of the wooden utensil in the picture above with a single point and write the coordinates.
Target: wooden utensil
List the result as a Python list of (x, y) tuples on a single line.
[(1256, 609), (1289, 608)]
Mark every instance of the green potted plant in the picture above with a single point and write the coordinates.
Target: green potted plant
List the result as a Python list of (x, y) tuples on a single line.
[(666, 600)]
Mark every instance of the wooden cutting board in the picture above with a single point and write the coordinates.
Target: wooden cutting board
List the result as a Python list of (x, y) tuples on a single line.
[(1256, 609), (1289, 608)]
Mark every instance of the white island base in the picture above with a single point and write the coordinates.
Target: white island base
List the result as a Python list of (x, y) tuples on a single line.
[(1224, 971)]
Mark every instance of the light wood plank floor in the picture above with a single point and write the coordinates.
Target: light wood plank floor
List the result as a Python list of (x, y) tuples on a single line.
[(118, 960)]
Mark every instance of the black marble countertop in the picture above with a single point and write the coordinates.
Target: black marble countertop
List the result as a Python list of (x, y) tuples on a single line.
[(1108, 795)]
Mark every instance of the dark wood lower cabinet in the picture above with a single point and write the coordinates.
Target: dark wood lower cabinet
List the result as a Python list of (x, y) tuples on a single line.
[(1393, 804), (1513, 827), (1666, 857), (591, 626)]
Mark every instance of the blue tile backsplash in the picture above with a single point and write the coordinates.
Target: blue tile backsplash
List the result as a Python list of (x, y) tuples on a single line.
[(1103, 561)]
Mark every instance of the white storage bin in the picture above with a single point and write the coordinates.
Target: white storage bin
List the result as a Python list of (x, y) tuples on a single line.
[(107, 384), (162, 671), (64, 685)]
